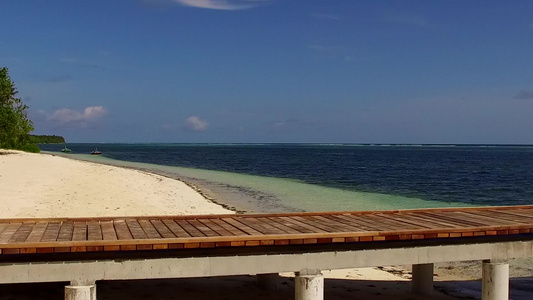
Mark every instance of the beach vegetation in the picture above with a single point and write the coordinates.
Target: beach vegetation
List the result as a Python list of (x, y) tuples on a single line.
[(46, 139), (14, 123)]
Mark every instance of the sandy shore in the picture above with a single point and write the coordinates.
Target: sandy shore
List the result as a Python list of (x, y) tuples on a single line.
[(40, 185)]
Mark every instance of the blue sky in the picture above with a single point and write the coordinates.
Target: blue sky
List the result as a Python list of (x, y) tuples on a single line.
[(329, 71)]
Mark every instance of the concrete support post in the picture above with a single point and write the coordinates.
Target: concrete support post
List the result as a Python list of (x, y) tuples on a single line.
[(423, 279), (80, 292), (309, 286), (268, 281), (495, 276)]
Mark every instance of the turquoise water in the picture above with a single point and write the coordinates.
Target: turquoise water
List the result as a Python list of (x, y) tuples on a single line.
[(252, 193)]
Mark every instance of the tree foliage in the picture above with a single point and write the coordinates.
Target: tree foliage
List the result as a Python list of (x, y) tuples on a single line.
[(47, 139), (14, 123)]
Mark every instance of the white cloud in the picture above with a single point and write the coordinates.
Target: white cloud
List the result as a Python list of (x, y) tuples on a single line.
[(221, 4), (67, 115), (196, 124)]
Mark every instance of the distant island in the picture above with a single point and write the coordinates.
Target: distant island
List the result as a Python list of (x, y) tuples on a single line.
[(46, 139)]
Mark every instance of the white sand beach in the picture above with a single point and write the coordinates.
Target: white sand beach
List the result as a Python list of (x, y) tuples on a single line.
[(42, 185)]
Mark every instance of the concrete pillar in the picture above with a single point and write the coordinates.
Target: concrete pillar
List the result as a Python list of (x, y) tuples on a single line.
[(268, 281), (80, 292), (309, 285), (423, 279), (495, 277)]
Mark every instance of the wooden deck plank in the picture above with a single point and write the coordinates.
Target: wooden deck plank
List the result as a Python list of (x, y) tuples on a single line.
[(234, 230), (348, 221), (241, 226), (313, 223), (521, 213), (3, 226), (94, 231), (176, 229), (108, 231), (448, 218), (425, 222), (428, 218), (399, 222), (502, 215), (136, 230), (22, 232), (281, 226), (190, 229), (37, 232), (295, 225), (122, 230), (367, 224), (80, 231), (9, 231), (52, 231), (162, 229), (262, 227), (487, 219), (472, 218), (148, 233), (205, 230), (149, 229), (215, 227), (335, 223), (65, 232)]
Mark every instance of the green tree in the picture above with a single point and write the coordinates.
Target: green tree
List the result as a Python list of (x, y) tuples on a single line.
[(14, 123)]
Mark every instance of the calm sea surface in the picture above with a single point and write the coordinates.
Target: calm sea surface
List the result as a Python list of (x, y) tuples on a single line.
[(334, 177)]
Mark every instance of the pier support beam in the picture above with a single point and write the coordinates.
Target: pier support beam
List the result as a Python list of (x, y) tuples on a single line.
[(495, 280), (77, 291), (423, 279), (309, 285), (268, 282)]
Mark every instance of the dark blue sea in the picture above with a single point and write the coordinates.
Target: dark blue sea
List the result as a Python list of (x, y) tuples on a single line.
[(335, 177)]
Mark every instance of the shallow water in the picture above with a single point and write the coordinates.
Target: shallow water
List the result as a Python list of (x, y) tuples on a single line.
[(253, 193)]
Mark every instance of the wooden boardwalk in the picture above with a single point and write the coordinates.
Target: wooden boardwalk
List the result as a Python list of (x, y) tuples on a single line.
[(32, 236)]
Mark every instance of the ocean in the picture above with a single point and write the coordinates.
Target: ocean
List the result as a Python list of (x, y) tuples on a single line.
[(319, 177)]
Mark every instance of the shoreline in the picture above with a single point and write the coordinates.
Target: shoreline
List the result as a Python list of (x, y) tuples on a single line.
[(388, 275), (42, 185), (187, 181)]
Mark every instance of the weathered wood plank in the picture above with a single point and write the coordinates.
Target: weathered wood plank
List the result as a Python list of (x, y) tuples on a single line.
[(122, 230), (205, 230), (285, 228), (22, 233), (51, 232), (296, 225), (65, 232), (94, 231), (234, 230), (37, 232), (176, 229), (146, 233), (149, 229), (108, 231), (136, 230), (263, 228), (163, 230), (9, 231), (241, 226), (215, 227), (190, 229)]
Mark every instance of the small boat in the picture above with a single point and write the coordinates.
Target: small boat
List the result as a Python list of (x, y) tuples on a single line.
[(96, 152), (66, 150)]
